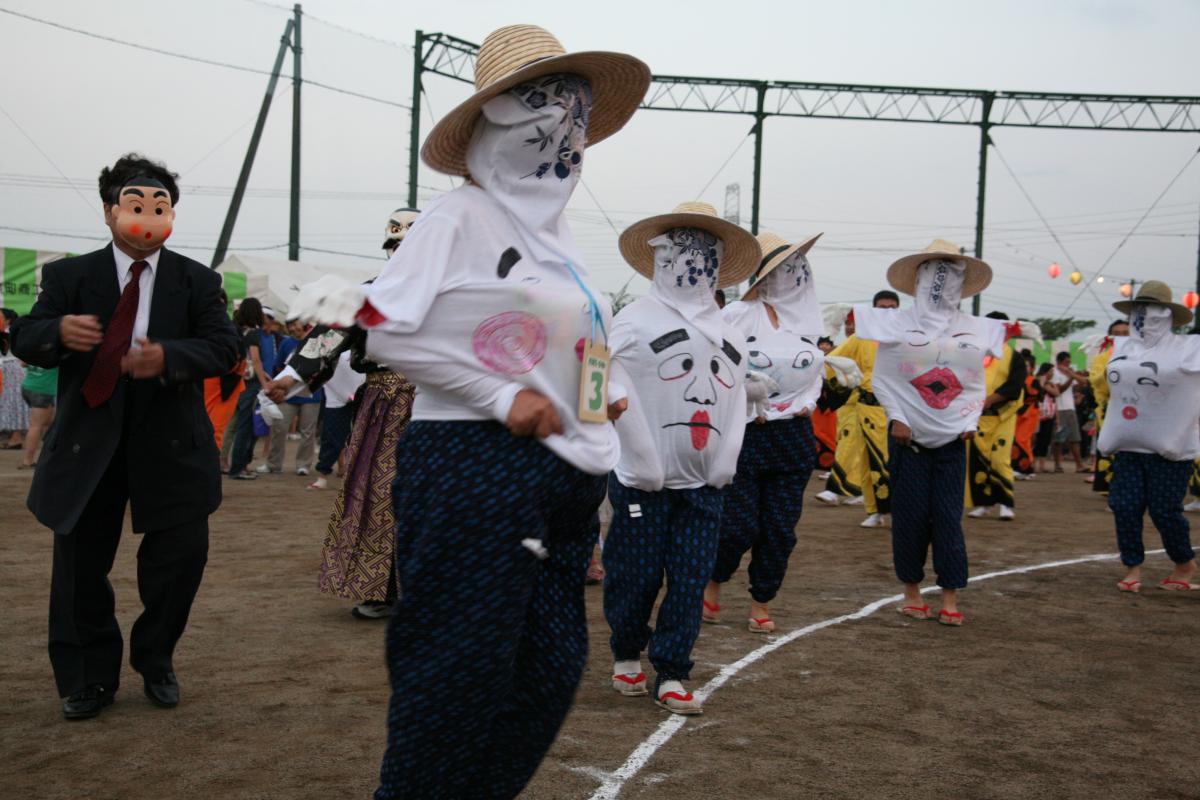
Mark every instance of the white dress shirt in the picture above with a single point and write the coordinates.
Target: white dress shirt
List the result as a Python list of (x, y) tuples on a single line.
[(141, 322)]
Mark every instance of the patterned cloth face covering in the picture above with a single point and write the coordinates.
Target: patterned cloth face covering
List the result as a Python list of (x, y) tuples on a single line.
[(527, 153), (790, 290), (686, 264)]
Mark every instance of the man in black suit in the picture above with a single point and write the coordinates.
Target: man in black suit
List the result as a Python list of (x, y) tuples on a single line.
[(134, 329)]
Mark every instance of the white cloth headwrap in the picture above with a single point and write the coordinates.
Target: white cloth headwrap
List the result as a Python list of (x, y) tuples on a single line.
[(939, 291), (527, 153), (686, 263), (1149, 323), (790, 290)]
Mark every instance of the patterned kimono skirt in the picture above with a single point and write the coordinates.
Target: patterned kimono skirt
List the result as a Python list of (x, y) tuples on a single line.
[(358, 557), (989, 460)]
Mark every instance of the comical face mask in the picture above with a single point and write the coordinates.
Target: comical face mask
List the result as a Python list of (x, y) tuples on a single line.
[(397, 228), (143, 216)]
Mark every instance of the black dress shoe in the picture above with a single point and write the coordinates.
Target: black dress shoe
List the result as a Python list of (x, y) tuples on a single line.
[(162, 690), (87, 702)]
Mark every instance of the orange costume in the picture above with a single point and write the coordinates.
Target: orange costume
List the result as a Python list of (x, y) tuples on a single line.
[(220, 399), (1028, 419)]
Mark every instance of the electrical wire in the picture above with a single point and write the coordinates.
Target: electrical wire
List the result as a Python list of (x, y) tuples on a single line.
[(335, 25), (724, 164), (1121, 244), (198, 59), (49, 160)]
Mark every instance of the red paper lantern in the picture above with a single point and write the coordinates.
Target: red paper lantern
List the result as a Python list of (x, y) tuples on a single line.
[(1191, 299), (1054, 271)]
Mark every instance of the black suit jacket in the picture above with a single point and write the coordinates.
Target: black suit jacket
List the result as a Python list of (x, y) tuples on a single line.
[(174, 471)]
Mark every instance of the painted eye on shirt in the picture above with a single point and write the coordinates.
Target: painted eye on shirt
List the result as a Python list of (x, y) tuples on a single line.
[(1114, 376), (967, 346), (1147, 382), (804, 359), (916, 338), (759, 360), (675, 367), (722, 372)]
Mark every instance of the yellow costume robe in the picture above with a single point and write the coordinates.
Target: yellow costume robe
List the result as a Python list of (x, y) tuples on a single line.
[(1099, 382), (868, 450), (989, 453)]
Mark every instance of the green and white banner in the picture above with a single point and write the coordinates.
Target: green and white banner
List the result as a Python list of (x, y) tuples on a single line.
[(22, 276)]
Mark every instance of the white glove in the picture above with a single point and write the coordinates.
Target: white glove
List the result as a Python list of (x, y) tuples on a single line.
[(328, 301), (845, 370), (759, 386), (266, 406)]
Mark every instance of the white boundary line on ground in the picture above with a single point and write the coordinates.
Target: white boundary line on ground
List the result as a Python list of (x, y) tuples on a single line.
[(613, 782)]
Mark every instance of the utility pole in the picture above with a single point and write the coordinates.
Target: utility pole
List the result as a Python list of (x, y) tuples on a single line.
[(984, 141), (239, 191), (756, 193), (414, 126), (294, 220)]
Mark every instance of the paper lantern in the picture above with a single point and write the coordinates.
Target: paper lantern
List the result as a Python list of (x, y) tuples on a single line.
[(1099, 279), (1191, 299), (1076, 277), (1126, 290), (1054, 271)]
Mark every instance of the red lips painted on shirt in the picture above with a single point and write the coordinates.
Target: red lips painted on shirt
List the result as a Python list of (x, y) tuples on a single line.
[(701, 428), (938, 387), (1129, 412)]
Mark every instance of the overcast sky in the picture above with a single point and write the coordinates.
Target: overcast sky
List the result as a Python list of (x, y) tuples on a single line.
[(878, 190)]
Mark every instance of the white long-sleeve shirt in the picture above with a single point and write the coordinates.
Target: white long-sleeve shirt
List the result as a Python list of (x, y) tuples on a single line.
[(935, 386), (790, 359), (687, 399), (1154, 398), (471, 320)]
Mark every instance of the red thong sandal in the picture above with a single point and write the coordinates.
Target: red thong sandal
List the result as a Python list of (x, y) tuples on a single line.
[(709, 614), (916, 612), (762, 625), (1177, 586), (1129, 586), (954, 618)]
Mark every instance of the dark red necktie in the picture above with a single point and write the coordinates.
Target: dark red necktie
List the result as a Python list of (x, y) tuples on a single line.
[(106, 369)]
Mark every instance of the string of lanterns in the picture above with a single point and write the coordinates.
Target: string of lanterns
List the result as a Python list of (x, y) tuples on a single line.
[(1190, 298)]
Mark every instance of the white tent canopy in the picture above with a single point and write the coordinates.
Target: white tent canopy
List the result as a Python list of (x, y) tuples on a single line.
[(276, 282)]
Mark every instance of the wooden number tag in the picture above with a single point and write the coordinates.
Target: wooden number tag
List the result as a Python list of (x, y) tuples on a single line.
[(593, 383)]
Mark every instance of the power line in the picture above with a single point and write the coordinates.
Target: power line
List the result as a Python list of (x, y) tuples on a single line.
[(1121, 244), (343, 28), (197, 59), (720, 169), (46, 156)]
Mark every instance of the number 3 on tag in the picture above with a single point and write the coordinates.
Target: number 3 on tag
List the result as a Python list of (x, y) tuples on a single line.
[(593, 383)]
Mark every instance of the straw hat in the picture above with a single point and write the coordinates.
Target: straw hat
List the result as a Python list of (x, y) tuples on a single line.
[(515, 54), (773, 251), (1157, 293), (902, 274), (740, 250)]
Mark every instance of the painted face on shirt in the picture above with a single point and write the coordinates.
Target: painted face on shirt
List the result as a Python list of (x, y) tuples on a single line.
[(705, 379), (142, 217), (1134, 384), (938, 383), (791, 372)]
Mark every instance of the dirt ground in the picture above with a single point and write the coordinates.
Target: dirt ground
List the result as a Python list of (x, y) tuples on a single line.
[(1057, 687)]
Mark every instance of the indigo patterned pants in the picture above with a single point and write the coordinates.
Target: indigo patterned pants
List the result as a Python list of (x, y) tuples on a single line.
[(487, 644), (1144, 481), (671, 533), (764, 502), (927, 507), (335, 431)]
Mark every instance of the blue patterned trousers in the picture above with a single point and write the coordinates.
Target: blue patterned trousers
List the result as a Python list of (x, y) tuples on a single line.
[(764, 502), (1141, 482), (927, 507), (335, 430), (487, 644), (671, 533)]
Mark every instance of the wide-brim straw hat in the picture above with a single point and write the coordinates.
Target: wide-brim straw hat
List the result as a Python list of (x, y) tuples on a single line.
[(515, 54), (1157, 293), (773, 251), (902, 274), (740, 251)]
